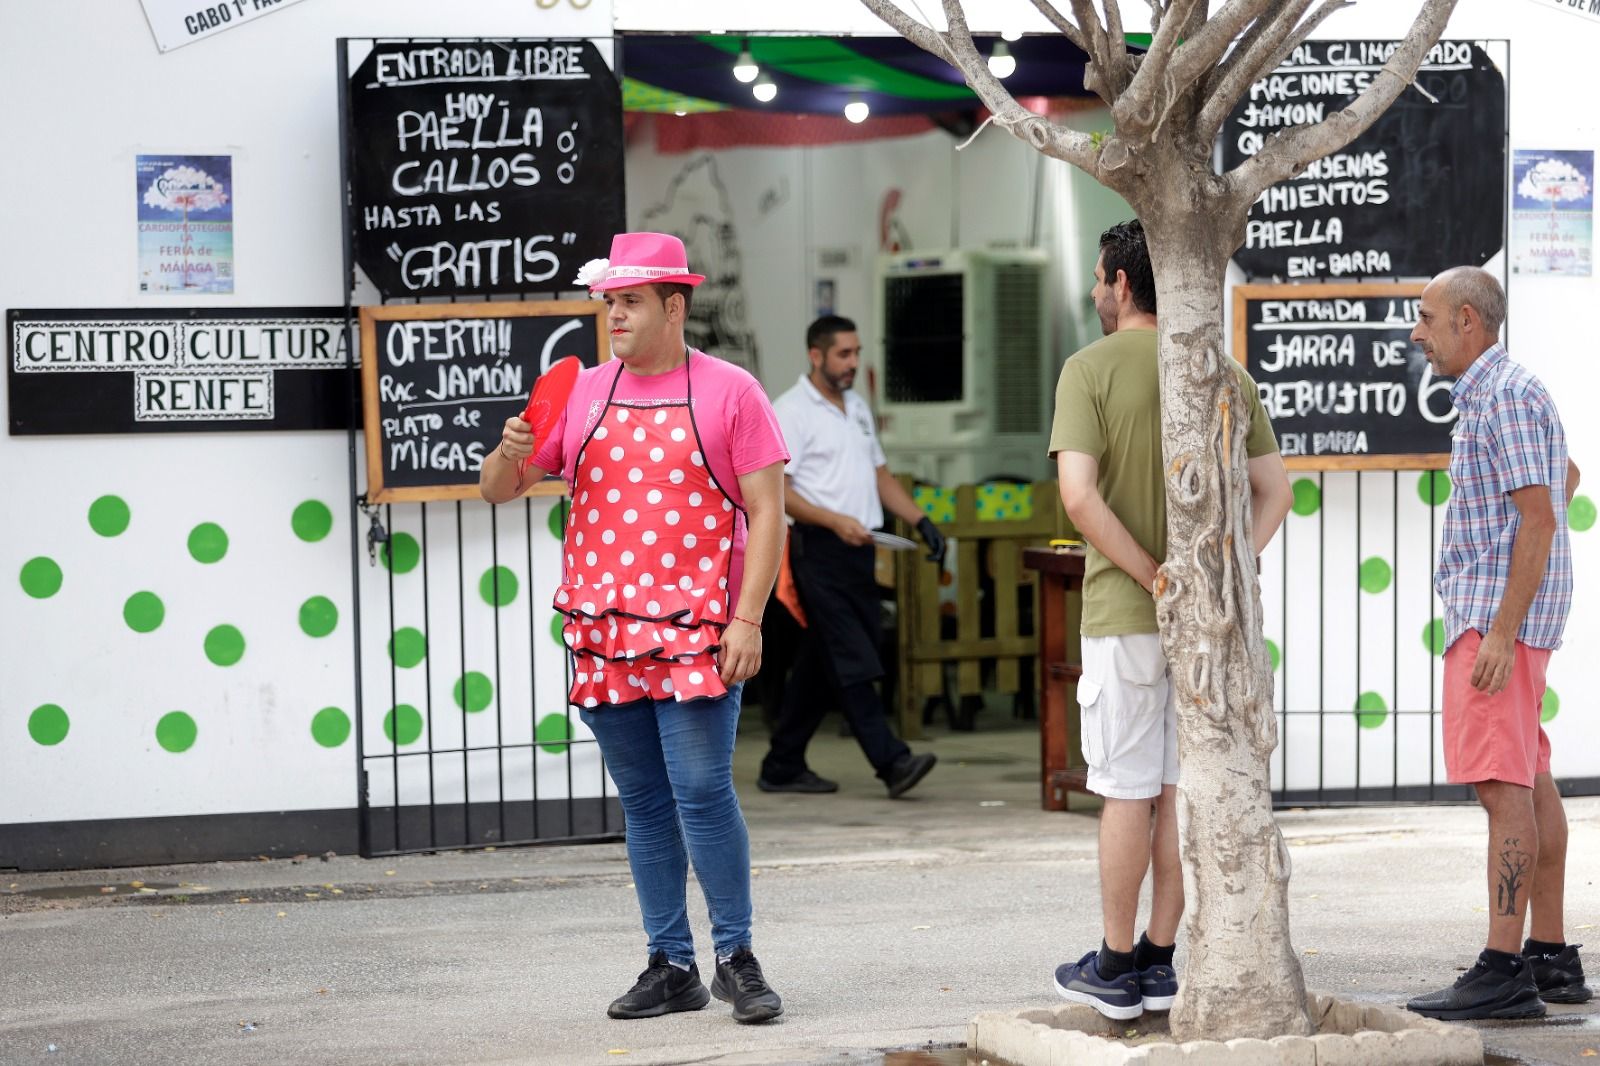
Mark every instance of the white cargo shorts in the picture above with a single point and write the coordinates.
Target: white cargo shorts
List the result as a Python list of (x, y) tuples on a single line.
[(1129, 722)]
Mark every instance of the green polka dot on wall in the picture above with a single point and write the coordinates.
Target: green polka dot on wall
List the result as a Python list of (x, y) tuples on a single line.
[(1273, 655), (473, 691), (1580, 514), (311, 521), (1551, 706), (403, 724), (400, 553), (1375, 575), (208, 542), (558, 623), (40, 577), (1371, 710), (1433, 636), (48, 724), (144, 612), (553, 732), (408, 647), (330, 727), (558, 514), (176, 732), (318, 616), (1307, 497), (108, 516), (498, 586), (224, 645), (1433, 487)]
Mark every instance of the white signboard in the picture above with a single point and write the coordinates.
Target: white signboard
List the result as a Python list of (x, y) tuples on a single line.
[(1589, 9), (176, 23)]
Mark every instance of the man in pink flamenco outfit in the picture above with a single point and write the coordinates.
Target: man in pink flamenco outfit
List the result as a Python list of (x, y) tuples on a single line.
[(675, 464)]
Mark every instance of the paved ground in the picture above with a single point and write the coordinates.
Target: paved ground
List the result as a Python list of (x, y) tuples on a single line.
[(884, 924)]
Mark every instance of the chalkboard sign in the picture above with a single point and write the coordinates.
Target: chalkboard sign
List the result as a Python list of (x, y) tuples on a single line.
[(1422, 190), (1339, 377), (178, 370), (481, 166), (439, 381)]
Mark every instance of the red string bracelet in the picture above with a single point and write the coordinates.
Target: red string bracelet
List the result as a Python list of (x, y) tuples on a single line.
[(747, 621)]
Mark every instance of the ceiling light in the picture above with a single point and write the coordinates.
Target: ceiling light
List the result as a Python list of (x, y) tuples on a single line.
[(1002, 64), (857, 111), (680, 114), (744, 68), (764, 89), (1011, 34)]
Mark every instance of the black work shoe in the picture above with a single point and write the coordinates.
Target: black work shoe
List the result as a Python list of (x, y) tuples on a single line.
[(661, 989), (739, 981), (904, 774), (1559, 976), (1483, 992), (805, 781)]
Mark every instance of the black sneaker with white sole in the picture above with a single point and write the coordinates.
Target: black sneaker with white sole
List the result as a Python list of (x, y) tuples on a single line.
[(1559, 977), (1483, 992), (739, 981), (1159, 987), (661, 989)]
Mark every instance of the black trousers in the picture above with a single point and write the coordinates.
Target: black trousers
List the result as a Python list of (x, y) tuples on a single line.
[(840, 598)]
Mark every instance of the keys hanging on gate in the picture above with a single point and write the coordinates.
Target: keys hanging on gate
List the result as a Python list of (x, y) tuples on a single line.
[(376, 534)]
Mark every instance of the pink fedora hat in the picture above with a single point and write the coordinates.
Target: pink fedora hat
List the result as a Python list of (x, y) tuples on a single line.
[(639, 259)]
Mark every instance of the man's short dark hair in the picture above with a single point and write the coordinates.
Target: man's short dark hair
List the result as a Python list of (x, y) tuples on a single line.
[(820, 334), (669, 288), (1122, 247)]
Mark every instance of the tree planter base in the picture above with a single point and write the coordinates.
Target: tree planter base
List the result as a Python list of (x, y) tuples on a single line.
[(1348, 1034)]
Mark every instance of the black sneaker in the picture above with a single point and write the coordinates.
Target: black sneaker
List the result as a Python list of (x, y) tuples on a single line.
[(904, 774), (739, 981), (805, 781), (1159, 987), (1119, 998), (1559, 976), (661, 989), (1483, 992)]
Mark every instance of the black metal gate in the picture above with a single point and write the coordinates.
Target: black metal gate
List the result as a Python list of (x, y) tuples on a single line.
[(1357, 638), (478, 745)]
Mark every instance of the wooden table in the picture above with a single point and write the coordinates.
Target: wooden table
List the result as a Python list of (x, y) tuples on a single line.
[(1061, 767)]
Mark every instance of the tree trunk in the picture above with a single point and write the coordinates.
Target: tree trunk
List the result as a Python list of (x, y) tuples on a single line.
[(1243, 978)]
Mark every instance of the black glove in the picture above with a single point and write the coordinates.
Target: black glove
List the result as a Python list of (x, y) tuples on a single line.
[(932, 538)]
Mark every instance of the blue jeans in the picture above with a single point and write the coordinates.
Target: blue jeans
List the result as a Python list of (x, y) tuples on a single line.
[(673, 765)]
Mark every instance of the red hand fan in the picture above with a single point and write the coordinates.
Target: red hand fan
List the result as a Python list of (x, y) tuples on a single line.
[(547, 400)]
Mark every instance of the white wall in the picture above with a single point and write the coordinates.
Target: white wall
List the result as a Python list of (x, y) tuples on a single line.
[(87, 91)]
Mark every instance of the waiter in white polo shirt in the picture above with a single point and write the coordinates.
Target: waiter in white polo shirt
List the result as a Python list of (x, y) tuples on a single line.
[(837, 484)]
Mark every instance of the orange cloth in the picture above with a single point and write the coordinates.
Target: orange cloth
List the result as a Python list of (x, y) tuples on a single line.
[(787, 594)]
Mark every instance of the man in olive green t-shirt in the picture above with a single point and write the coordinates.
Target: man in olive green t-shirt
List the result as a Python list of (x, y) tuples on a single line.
[(1106, 439)]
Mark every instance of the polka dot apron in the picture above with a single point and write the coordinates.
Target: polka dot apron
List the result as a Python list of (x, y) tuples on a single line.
[(648, 547)]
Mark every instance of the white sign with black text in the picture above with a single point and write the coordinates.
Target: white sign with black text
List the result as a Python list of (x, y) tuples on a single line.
[(176, 23)]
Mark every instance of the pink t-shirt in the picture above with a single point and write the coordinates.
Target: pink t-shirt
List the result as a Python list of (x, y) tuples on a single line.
[(737, 428)]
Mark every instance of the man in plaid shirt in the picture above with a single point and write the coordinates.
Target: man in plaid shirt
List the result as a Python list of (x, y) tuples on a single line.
[(1505, 577)]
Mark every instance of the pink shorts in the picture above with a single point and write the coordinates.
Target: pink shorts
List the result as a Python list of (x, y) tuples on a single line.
[(1498, 737)]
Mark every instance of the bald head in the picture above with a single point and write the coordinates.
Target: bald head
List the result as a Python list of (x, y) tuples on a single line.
[(1474, 287), (1459, 318)]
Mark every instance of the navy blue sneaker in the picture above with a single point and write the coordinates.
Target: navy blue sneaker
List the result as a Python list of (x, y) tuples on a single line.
[(1118, 998), (1159, 987)]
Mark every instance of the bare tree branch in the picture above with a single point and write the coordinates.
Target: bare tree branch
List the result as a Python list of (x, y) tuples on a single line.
[(1139, 111), (924, 37), (1116, 38), (1102, 76), (1045, 136), (1068, 28), (1201, 53), (1156, 11), (1254, 59), (1287, 153)]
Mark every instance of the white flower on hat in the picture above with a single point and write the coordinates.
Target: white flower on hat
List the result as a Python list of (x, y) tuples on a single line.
[(592, 271)]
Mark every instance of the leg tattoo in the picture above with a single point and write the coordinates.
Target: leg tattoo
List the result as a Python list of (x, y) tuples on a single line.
[(1515, 864)]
